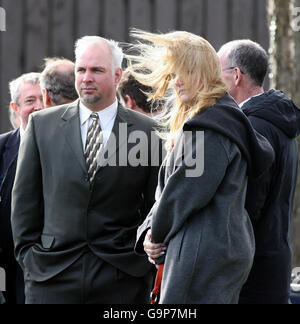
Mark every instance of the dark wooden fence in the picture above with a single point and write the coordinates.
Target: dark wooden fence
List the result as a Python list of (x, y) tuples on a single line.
[(39, 28)]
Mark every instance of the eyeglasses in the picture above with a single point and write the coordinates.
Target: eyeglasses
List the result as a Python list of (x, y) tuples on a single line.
[(233, 67)]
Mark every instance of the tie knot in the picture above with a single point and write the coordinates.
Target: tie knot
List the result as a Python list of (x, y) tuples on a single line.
[(94, 116)]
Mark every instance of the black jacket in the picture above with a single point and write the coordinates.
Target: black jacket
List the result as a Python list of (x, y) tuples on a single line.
[(9, 146), (270, 198)]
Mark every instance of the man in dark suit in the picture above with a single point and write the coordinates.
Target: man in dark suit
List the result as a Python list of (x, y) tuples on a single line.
[(270, 198), (26, 97), (80, 249)]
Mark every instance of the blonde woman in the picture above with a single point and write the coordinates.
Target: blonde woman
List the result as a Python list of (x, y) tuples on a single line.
[(198, 223)]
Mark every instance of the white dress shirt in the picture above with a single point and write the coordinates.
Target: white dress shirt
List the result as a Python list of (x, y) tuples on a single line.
[(22, 132), (107, 118)]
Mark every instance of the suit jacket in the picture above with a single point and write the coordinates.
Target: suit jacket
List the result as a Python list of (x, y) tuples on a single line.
[(9, 146), (102, 217)]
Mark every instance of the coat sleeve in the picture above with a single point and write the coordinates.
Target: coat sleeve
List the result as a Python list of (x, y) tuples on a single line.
[(27, 196), (258, 189), (190, 187)]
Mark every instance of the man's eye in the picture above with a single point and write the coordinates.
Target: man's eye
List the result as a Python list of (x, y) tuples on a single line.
[(29, 101)]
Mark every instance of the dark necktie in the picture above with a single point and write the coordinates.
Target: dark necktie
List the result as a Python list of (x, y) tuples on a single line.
[(94, 143)]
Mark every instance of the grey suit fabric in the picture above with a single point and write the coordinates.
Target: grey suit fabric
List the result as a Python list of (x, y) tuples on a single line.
[(102, 217)]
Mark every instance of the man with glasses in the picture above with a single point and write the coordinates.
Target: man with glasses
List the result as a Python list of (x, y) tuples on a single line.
[(269, 200), (26, 98)]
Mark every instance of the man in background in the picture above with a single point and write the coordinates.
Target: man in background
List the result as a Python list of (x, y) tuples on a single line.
[(26, 97), (133, 96), (269, 200), (58, 82)]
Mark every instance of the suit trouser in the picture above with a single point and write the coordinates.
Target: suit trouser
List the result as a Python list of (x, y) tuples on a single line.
[(90, 280)]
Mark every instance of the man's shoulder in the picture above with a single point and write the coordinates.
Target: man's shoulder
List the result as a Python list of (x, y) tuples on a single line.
[(5, 136), (10, 139), (53, 112)]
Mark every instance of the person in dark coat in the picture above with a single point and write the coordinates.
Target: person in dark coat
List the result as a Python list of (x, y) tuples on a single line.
[(270, 198), (26, 97), (199, 216)]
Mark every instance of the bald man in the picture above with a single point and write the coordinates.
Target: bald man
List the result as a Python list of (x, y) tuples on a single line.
[(58, 82)]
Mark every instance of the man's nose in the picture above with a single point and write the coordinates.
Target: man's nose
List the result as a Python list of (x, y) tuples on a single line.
[(87, 76)]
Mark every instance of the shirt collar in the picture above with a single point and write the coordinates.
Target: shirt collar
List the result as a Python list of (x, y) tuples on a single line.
[(22, 131), (242, 103), (85, 112)]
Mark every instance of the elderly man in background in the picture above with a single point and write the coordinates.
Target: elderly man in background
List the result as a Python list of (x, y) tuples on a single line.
[(26, 97), (269, 200)]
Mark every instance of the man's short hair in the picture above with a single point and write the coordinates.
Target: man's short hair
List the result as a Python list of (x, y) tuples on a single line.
[(59, 84), (116, 51), (250, 57), (14, 85), (137, 91)]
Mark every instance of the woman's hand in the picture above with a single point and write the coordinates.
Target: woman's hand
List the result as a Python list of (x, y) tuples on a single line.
[(153, 251)]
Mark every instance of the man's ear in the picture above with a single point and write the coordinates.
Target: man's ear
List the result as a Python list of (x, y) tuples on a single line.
[(13, 106), (118, 75), (238, 76), (130, 103), (46, 98)]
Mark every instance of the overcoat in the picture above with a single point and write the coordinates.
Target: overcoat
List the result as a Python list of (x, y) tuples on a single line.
[(201, 217)]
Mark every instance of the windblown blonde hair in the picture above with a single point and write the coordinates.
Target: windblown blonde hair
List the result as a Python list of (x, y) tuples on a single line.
[(185, 55)]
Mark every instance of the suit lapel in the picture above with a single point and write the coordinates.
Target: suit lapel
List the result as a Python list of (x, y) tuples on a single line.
[(72, 132)]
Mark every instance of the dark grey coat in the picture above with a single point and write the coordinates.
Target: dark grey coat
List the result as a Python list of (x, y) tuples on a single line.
[(202, 219)]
